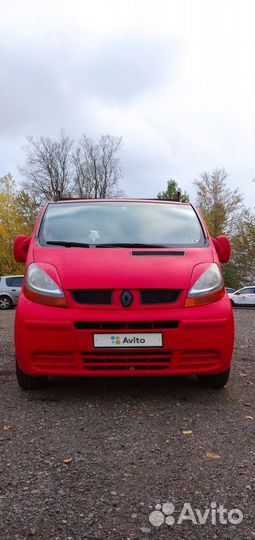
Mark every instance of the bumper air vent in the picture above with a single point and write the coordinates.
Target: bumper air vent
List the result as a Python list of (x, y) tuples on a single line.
[(80, 325), (125, 361)]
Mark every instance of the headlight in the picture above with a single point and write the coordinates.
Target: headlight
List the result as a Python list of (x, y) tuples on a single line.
[(208, 288), (41, 288)]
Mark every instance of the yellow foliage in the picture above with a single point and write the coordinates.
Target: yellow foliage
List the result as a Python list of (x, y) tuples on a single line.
[(12, 223)]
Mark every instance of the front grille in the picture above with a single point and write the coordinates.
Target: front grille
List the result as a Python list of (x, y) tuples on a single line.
[(159, 296), (80, 325), (104, 297), (124, 361), (93, 296)]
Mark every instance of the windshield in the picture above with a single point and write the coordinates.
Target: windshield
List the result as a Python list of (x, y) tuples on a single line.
[(125, 223)]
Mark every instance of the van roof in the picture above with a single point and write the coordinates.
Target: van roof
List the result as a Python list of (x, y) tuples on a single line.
[(121, 200)]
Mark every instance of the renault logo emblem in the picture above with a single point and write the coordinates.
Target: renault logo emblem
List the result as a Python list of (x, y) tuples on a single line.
[(126, 298)]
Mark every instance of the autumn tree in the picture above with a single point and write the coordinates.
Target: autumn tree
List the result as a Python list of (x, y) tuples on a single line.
[(17, 216), (173, 192), (219, 205), (7, 210), (225, 213), (48, 168), (97, 167), (243, 248)]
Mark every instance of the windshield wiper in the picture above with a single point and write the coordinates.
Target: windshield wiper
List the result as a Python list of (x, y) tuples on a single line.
[(68, 244), (132, 245), (120, 244)]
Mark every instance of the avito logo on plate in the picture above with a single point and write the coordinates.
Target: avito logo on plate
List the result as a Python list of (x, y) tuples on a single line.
[(116, 340), (146, 339)]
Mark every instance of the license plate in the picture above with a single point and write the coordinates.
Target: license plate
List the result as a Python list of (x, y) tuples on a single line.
[(117, 341)]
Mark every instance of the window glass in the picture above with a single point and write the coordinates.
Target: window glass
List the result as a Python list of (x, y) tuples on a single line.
[(122, 222), (247, 290), (18, 281), (14, 281)]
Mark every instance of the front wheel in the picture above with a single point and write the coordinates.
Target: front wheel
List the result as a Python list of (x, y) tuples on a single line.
[(28, 382), (5, 302), (215, 380)]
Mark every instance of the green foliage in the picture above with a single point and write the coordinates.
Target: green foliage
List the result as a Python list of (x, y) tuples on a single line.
[(27, 208), (231, 274), (173, 192)]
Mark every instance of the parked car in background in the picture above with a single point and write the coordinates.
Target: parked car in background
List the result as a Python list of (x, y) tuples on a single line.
[(243, 297), (122, 288), (230, 290), (10, 289)]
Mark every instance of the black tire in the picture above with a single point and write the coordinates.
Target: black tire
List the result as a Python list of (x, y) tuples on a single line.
[(233, 303), (215, 380), (5, 302), (28, 382)]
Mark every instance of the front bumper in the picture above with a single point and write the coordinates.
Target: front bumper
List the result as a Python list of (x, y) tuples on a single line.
[(59, 341)]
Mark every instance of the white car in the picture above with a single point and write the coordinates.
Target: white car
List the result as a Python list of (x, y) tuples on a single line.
[(243, 297), (230, 290), (10, 289)]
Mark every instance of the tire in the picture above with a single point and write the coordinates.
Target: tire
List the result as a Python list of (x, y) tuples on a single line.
[(5, 302), (28, 382), (215, 380), (233, 303)]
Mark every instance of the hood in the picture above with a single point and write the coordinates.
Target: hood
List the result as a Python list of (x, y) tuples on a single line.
[(120, 268)]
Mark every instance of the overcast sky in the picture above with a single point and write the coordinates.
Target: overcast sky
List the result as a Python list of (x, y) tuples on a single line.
[(174, 78)]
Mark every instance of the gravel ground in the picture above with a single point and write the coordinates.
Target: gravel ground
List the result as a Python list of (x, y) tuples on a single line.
[(91, 459)]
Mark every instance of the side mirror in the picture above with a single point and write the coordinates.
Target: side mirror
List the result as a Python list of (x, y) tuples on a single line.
[(20, 248), (223, 248)]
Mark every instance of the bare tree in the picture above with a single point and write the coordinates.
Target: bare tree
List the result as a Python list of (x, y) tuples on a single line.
[(48, 168), (97, 167), (219, 205)]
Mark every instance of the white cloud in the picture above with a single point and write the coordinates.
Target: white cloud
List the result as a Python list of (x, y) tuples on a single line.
[(175, 78)]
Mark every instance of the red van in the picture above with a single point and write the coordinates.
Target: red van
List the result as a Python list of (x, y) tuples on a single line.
[(122, 288)]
